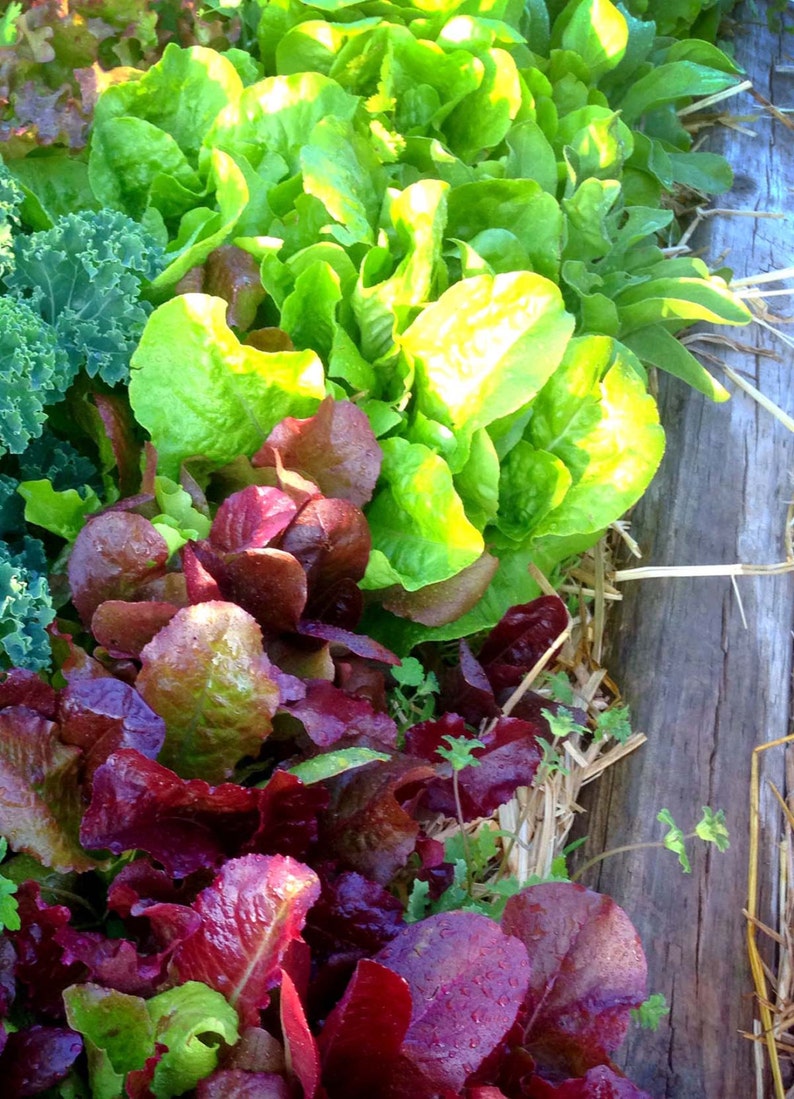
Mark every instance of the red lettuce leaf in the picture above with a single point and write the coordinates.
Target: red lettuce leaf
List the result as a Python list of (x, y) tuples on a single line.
[(331, 540), (8, 962), (114, 555), (236, 1084), (232, 274), (447, 600), (37, 1058), (249, 915), (372, 1016), (328, 714), (40, 795), (206, 675), (465, 689), (467, 980), (125, 629), (268, 583), (598, 1083), (102, 715), (42, 972), (202, 587), (336, 448), (256, 1051), (113, 963), (426, 737), (354, 917), (509, 759), (356, 643), (366, 826), (20, 687), (288, 813), (520, 638), (188, 825), (184, 824), (119, 427), (588, 972), (251, 519), (300, 1048)]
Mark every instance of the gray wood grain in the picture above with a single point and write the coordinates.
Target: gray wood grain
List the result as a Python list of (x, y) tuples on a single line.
[(704, 689)]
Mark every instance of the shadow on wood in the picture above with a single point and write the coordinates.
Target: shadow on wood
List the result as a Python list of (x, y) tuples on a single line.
[(705, 689)]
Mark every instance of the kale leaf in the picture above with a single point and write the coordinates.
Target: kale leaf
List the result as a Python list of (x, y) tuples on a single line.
[(83, 277)]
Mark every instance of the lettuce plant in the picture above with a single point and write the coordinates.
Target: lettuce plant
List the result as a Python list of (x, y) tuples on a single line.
[(165, 791), (481, 275)]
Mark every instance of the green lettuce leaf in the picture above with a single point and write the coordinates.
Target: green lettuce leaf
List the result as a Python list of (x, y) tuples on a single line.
[(201, 231), (62, 513), (596, 30), (486, 347), (417, 520), (596, 417), (122, 1032), (199, 391), (180, 96)]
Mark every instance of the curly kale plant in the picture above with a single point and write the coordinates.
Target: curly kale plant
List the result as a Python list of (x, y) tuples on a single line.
[(83, 277), (10, 200), (34, 372), (25, 606)]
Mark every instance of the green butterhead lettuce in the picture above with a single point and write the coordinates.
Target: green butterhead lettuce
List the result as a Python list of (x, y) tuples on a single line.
[(199, 392), (484, 349)]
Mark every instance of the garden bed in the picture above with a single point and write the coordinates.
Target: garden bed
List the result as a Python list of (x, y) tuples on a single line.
[(330, 341)]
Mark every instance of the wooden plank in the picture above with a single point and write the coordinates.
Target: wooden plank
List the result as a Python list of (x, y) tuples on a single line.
[(705, 689)]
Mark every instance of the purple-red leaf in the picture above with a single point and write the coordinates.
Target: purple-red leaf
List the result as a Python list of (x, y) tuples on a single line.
[(268, 583), (37, 1058), (42, 972), (236, 1084), (112, 557), (40, 796), (446, 601), (331, 540), (19, 687), (102, 715), (249, 915), (251, 519), (300, 1048), (467, 980), (288, 813), (113, 963), (520, 639), (126, 628), (373, 1015), (119, 426), (599, 1083), (465, 689), (232, 274), (366, 825), (201, 585), (509, 759), (336, 448), (355, 643), (328, 714), (588, 972), (184, 824), (354, 917), (188, 825), (206, 675)]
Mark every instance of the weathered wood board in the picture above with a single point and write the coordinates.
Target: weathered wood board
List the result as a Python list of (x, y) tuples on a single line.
[(705, 689)]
